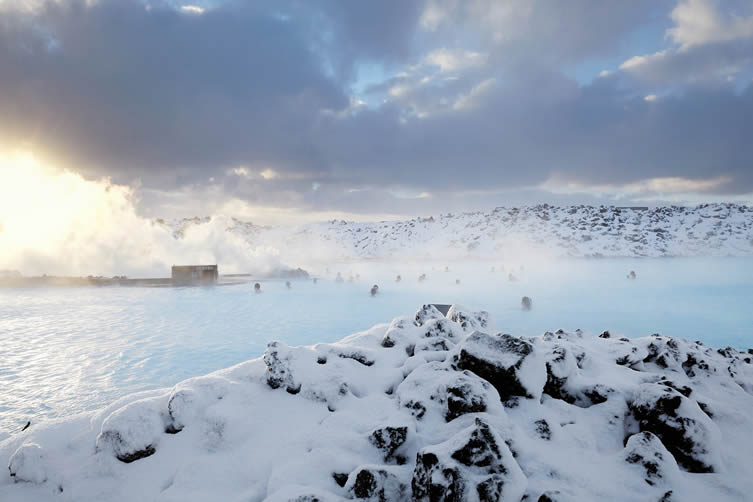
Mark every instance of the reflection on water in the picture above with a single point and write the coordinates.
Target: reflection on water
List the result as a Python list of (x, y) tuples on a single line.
[(64, 351)]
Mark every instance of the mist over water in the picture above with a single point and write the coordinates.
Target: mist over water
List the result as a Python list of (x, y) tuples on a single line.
[(70, 350), (73, 226)]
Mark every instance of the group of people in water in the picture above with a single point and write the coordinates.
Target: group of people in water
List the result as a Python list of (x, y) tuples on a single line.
[(525, 303)]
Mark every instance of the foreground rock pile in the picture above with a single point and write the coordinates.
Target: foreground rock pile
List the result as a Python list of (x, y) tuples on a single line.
[(427, 408)]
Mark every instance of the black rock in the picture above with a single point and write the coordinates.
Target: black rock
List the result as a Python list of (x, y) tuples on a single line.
[(462, 398), (543, 429), (469, 321), (340, 478), (647, 451), (678, 422), (279, 373), (374, 483), (136, 455), (389, 439), (496, 359), (481, 468)]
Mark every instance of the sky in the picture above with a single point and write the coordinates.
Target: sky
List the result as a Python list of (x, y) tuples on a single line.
[(296, 110)]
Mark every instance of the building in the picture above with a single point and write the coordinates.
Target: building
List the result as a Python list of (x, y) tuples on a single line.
[(195, 274)]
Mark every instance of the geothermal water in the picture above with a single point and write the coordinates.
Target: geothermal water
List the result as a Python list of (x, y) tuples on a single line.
[(69, 350)]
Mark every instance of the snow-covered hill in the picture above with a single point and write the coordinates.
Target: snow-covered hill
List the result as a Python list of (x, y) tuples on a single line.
[(429, 408), (576, 231)]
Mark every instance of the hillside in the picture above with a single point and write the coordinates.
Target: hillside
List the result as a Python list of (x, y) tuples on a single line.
[(574, 231)]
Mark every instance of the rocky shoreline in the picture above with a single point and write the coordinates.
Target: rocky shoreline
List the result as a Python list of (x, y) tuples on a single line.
[(429, 407)]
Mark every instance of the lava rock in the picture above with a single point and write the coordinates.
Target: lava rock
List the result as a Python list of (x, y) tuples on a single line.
[(389, 440), (468, 320), (375, 483), (437, 389), (475, 464), (427, 313), (279, 374), (647, 451), (442, 328), (501, 360), (683, 428), (543, 429)]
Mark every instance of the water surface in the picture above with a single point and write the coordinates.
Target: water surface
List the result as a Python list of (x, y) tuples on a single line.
[(69, 350)]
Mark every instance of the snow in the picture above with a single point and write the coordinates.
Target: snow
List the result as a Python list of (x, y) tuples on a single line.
[(505, 233), (374, 417)]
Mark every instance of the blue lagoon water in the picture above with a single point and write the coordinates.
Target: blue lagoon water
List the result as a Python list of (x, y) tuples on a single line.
[(68, 350)]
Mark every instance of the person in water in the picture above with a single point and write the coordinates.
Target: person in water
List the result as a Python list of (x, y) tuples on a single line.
[(526, 303), (257, 287), (287, 283), (374, 290), (398, 278)]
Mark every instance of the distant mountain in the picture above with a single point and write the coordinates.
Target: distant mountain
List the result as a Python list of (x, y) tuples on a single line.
[(574, 231)]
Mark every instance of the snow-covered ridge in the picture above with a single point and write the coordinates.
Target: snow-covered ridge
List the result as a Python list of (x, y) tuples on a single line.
[(575, 231), (429, 407)]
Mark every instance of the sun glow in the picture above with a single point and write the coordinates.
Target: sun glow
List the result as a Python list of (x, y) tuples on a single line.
[(55, 221), (42, 207)]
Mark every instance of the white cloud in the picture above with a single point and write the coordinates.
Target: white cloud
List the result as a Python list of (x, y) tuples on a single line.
[(192, 9), (676, 185), (269, 174), (706, 40), (637, 62), (471, 99), (433, 15), (697, 22), (451, 60), (650, 187), (241, 171)]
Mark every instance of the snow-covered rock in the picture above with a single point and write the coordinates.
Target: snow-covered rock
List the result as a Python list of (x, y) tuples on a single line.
[(576, 231), (28, 464), (679, 422), (474, 464), (647, 453), (507, 362), (427, 407), (133, 432)]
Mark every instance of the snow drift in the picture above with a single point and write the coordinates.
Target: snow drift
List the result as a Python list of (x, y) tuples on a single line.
[(428, 407)]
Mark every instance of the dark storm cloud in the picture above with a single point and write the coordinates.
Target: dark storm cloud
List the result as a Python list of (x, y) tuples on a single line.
[(178, 99)]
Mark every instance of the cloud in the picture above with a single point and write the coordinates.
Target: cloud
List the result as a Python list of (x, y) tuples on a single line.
[(452, 60), (53, 221), (698, 22), (266, 103), (710, 45)]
